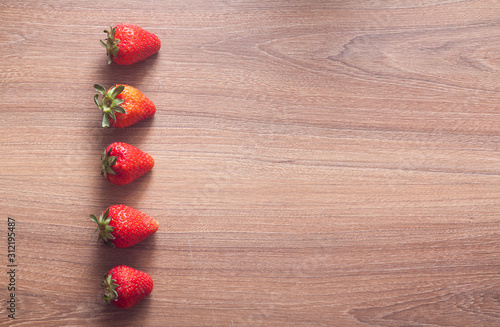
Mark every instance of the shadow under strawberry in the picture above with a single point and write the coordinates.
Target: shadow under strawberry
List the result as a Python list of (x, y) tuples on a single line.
[(136, 135), (131, 194), (128, 74)]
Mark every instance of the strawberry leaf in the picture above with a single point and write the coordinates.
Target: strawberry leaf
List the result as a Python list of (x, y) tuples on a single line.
[(112, 115), (120, 110), (96, 101), (116, 90), (105, 120), (117, 102), (99, 88)]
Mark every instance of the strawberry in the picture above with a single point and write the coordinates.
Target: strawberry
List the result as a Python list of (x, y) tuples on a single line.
[(127, 44), (122, 163), (125, 286), (122, 226), (123, 105)]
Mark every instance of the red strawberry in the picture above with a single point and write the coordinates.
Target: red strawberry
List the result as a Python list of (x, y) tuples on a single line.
[(123, 105), (125, 286), (127, 44), (122, 163), (123, 226)]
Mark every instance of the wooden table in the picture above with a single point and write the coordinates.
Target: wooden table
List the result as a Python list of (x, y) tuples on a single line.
[(318, 163)]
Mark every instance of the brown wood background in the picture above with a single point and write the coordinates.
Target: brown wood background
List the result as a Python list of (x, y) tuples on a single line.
[(318, 163)]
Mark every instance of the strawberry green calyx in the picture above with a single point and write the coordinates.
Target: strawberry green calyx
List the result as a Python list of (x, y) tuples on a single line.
[(111, 44), (107, 160), (110, 103), (103, 227), (109, 286)]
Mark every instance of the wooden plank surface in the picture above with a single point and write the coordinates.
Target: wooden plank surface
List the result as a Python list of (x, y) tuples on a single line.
[(318, 163)]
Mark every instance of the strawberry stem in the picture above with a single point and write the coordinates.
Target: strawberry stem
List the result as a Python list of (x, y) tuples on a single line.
[(103, 227), (111, 44), (110, 103), (106, 162), (109, 286)]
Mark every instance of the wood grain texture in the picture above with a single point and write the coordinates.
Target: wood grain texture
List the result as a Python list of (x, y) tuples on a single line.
[(318, 163)]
